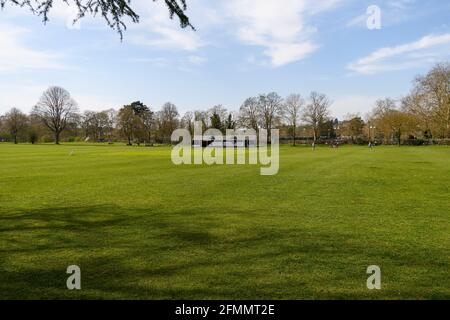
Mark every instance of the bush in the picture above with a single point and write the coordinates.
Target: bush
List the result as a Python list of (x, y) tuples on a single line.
[(33, 137), (413, 142), (361, 141), (442, 142)]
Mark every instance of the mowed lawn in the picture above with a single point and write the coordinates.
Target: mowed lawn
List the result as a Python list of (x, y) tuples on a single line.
[(141, 227)]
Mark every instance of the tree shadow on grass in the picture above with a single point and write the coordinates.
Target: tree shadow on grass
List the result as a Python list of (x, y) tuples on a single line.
[(146, 253), (76, 218)]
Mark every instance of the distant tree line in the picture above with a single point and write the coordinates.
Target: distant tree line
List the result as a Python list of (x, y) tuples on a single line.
[(421, 117)]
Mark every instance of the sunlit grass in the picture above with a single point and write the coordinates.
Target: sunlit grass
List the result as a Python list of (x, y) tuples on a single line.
[(140, 227)]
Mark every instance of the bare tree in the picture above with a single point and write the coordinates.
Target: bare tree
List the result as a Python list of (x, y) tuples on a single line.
[(169, 120), (391, 121), (269, 110), (56, 109), (291, 111), (316, 112), (112, 119), (248, 114), (187, 121), (435, 87), (15, 122), (269, 107), (417, 105), (203, 117), (148, 121)]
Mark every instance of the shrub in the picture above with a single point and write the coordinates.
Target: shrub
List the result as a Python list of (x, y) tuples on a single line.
[(33, 137)]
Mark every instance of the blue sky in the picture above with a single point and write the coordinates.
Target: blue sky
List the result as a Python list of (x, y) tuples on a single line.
[(239, 50)]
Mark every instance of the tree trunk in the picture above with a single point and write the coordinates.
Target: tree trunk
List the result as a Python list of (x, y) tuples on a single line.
[(448, 129), (294, 134), (448, 122), (15, 139), (315, 138), (57, 133)]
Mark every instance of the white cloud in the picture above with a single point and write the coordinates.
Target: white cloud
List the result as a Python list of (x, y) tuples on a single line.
[(401, 4), (359, 21), (23, 97), (96, 102), (196, 60), (409, 55), (60, 13), (155, 62), (157, 30), (168, 38), (66, 13), (179, 63), (15, 56), (280, 26), (26, 96), (352, 104)]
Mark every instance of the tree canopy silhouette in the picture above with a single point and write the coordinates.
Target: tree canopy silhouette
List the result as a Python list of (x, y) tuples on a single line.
[(114, 12)]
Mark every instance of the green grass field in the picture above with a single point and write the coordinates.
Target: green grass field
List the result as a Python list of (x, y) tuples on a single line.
[(140, 227)]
